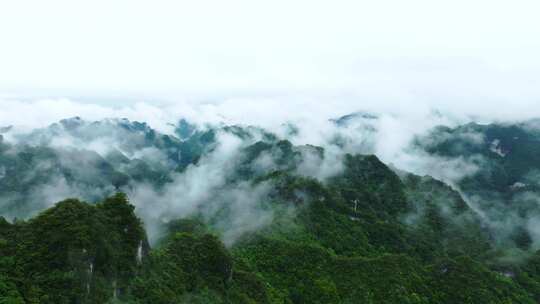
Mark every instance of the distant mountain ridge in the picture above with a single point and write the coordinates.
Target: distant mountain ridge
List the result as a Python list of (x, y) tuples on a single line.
[(240, 215), (508, 160)]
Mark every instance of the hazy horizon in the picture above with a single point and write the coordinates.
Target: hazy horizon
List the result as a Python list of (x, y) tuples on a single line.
[(461, 58)]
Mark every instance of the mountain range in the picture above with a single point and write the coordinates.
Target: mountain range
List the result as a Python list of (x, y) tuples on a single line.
[(113, 211)]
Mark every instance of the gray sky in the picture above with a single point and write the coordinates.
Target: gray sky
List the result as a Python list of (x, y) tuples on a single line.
[(464, 56), (267, 62)]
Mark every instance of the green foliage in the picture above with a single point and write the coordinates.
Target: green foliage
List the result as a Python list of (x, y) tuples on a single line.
[(506, 162), (74, 252), (364, 236), (463, 280), (442, 223), (195, 268), (9, 293)]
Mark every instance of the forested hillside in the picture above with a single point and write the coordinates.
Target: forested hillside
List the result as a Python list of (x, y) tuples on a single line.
[(239, 215)]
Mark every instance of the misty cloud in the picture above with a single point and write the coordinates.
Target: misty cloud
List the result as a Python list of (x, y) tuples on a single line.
[(206, 188)]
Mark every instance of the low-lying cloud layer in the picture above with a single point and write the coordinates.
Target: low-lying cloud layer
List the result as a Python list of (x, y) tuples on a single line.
[(367, 128)]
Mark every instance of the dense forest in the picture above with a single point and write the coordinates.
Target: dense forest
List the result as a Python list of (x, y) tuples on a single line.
[(275, 228)]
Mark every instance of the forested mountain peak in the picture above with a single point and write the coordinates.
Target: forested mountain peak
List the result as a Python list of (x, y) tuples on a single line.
[(216, 213)]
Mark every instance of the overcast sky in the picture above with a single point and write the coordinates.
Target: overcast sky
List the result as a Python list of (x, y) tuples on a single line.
[(472, 56)]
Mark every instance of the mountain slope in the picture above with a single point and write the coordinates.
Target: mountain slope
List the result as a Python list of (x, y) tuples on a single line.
[(504, 183), (334, 243), (238, 215)]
